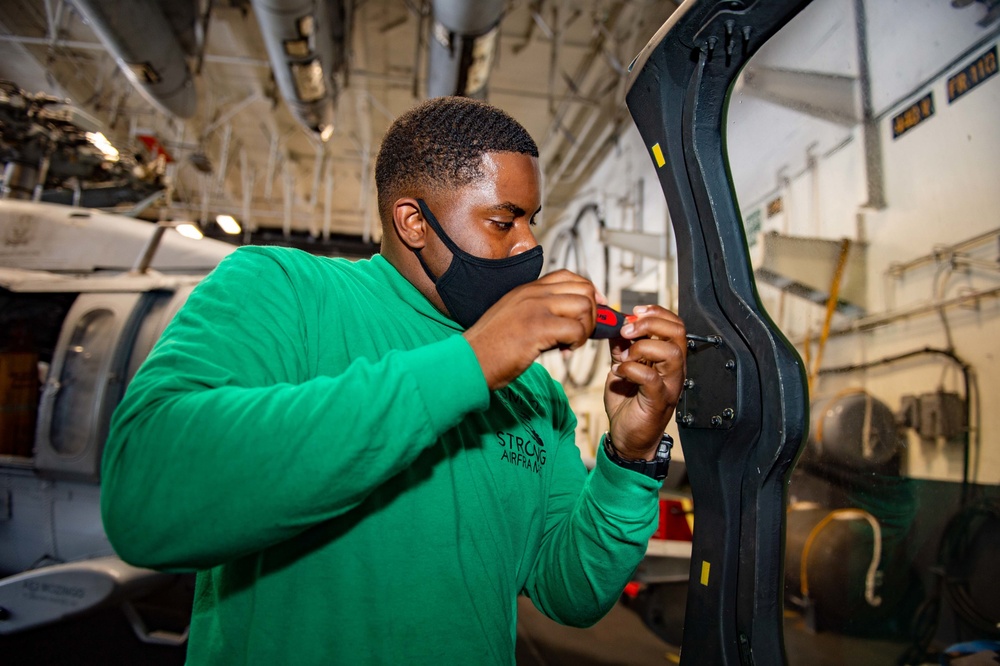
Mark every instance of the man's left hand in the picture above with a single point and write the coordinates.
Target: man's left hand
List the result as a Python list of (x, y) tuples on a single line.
[(645, 382)]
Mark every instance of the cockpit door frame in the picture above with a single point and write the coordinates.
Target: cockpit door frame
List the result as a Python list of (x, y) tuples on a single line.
[(744, 413)]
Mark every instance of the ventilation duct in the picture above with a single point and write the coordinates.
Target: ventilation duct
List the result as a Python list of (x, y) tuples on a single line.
[(464, 37), (305, 40), (141, 38)]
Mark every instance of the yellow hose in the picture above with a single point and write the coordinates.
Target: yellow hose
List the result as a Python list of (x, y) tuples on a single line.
[(831, 306), (845, 514)]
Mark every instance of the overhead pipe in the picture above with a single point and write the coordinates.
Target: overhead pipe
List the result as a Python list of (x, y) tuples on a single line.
[(462, 46), (143, 42), (306, 43)]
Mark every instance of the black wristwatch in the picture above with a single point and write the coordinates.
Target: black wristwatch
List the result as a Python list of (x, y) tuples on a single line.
[(656, 468)]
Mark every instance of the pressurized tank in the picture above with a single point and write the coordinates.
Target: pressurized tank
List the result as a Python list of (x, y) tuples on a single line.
[(852, 430)]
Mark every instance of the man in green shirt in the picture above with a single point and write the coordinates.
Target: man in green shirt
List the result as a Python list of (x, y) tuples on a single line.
[(361, 459)]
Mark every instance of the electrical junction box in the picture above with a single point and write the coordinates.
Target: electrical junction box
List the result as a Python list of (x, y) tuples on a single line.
[(933, 415)]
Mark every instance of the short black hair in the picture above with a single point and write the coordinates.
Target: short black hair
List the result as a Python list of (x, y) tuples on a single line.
[(441, 143)]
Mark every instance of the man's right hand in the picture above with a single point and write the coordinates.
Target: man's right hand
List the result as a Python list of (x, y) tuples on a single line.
[(557, 310)]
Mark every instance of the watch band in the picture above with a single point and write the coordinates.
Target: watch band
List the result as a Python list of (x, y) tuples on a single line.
[(656, 468)]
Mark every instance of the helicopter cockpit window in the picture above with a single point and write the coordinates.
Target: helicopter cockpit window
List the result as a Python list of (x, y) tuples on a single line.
[(89, 346), (864, 151)]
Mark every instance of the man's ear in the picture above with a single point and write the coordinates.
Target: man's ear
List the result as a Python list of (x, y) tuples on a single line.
[(409, 222)]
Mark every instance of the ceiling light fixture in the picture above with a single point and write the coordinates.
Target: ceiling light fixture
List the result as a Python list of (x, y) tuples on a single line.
[(189, 230), (228, 224)]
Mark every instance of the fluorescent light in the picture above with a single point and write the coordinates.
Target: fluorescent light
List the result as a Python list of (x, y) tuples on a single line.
[(189, 230), (228, 224), (102, 144)]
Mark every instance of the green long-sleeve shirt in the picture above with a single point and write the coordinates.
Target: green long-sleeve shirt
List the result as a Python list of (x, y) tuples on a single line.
[(317, 440)]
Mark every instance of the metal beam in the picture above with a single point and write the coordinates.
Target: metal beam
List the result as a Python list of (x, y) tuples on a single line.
[(231, 112), (874, 173), (648, 245), (830, 97)]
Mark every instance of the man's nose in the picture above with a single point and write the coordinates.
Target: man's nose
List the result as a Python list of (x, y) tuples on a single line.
[(526, 241)]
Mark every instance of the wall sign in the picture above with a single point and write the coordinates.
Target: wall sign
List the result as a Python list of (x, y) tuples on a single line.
[(974, 73), (913, 115)]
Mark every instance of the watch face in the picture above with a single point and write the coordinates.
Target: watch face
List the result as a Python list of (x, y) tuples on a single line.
[(663, 450), (656, 468)]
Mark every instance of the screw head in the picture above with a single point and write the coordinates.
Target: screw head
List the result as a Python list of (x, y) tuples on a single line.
[(728, 413), (688, 383), (687, 419), (730, 364), (716, 420)]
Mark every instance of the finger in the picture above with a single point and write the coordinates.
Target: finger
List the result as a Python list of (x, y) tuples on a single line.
[(655, 311), (659, 323), (666, 358), (574, 287), (655, 352), (562, 275), (566, 333), (618, 347), (564, 318), (580, 309), (652, 382), (651, 388), (570, 303), (541, 288), (669, 327)]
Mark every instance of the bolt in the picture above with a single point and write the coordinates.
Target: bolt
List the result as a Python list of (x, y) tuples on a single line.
[(730, 364), (691, 344), (716, 421), (687, 419), (728, 413), (689, 383)]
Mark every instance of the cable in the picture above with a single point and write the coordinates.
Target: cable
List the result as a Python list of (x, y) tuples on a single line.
[(958, 539), (955, 543), (572, 248)]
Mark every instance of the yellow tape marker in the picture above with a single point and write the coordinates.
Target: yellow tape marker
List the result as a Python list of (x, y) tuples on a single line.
[(658, 155), (687, 505), (705, 566)]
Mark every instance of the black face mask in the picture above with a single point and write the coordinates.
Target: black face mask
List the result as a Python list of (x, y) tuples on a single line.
[(471, 285)]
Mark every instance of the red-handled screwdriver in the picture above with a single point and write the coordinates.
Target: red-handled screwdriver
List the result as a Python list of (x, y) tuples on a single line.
[(609, 323)]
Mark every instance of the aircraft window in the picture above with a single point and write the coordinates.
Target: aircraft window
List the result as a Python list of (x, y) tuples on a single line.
[(864, 148), (80, 382)]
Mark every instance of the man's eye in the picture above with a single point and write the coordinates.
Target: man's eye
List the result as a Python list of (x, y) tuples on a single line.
[(502, 224)]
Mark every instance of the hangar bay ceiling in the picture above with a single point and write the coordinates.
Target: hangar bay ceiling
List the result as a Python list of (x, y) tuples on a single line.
[(272, 110)]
